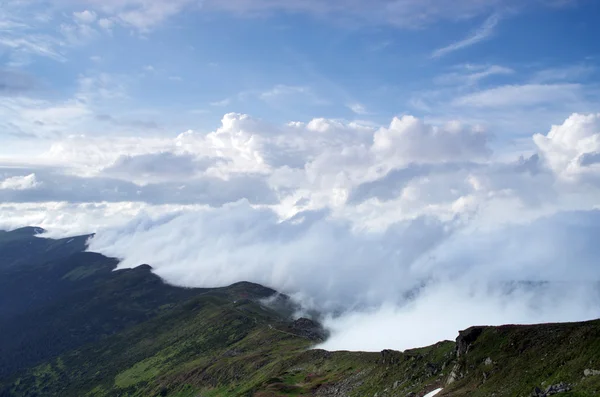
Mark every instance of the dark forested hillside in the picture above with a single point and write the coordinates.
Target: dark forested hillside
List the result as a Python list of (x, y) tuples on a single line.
[(71, 326)]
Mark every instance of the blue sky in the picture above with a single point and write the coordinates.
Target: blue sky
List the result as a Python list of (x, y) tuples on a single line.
[(185, 65)]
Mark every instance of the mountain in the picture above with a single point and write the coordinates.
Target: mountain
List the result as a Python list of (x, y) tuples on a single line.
[(70, 325)]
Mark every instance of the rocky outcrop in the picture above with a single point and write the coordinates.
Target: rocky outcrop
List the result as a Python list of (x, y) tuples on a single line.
[(309, 329), (465, 340), (463, 343), (552, 390)]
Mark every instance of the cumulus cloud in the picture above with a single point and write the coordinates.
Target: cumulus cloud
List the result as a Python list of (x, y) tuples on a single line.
[(388, 224), (572, 148), (409, 139)]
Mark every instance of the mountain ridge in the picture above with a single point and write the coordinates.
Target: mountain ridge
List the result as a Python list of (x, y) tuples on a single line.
[(86, 330)]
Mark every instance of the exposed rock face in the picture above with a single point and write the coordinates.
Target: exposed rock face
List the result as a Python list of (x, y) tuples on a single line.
[(455, 375), (309, 329), (551, 390), (465, 339), (391, 357), (463, 343)]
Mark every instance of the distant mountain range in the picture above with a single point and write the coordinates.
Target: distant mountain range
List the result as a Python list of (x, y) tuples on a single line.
[(72, 326)]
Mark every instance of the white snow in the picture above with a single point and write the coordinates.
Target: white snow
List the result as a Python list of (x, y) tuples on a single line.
[(433, 393)]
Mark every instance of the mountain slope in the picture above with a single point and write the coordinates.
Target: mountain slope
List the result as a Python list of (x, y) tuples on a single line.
[(56, 297), (86, 330)]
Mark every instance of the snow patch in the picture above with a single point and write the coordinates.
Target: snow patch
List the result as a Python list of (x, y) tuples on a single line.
[(433, 393)]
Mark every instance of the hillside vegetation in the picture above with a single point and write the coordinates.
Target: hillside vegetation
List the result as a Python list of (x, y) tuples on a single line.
[(83, 329)]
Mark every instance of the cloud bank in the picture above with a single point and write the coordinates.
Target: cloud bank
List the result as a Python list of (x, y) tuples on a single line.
[(409, 232)]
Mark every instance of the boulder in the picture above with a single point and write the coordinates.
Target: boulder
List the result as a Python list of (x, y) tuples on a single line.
[(552, 390), (591, 372)]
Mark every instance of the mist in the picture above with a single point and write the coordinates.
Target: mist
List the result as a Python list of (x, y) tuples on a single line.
[(414, 284)]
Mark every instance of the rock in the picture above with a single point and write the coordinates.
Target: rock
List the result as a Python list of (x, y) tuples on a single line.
[(309, 329), (552, 390), (431, 369), (466, 338), (559, 388), (391, 357), (591, 372), (537, 392), (488, 361), (455, 374)]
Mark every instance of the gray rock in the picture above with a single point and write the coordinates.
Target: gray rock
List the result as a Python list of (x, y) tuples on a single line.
[(552, 390), (591, 372), (559, 388), (488, 361)]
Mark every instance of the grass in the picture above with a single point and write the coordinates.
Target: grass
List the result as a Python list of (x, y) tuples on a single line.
[(212, 346)]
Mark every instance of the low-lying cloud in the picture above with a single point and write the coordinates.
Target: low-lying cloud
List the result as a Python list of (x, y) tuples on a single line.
[(418, 282)]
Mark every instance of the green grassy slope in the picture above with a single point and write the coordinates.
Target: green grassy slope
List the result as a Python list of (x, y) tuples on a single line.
[(514, 360), (223, 344), (217, 345)]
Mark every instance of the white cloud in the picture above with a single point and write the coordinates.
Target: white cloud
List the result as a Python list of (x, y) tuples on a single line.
[(85, 16), (441, 311), (572, 148), (473, 74), (570, 73), (140, 14), (520, 95), (63, 219), (283, 90), (483, 33), (358, 109), (221, 103), (409, 139), (33, 44), (106, 24), (19, 182), (28, 117), (78, 34)]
